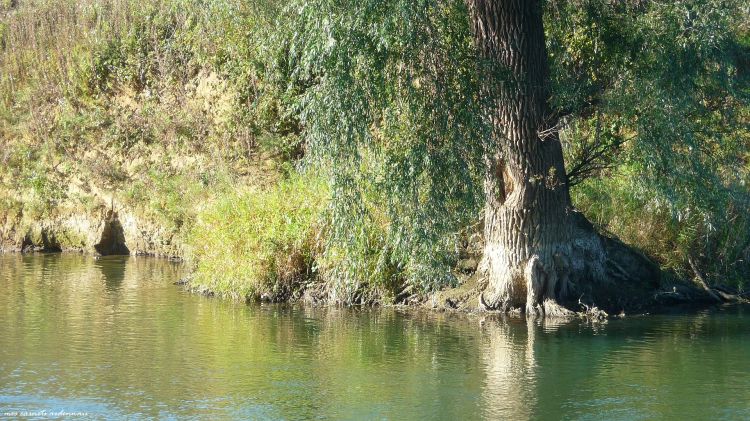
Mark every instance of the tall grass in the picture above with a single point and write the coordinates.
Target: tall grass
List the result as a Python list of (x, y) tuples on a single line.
[(257, 242)]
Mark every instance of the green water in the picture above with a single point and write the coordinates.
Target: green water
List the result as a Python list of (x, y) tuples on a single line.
[(114, 338)]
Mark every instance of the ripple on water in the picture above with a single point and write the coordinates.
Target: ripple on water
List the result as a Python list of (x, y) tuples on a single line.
[(115, 338)]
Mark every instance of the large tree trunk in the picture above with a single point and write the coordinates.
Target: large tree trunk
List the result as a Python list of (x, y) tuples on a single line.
[(537, 247)]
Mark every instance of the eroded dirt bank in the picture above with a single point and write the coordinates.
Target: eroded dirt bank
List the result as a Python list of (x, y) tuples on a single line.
[(102, 232)]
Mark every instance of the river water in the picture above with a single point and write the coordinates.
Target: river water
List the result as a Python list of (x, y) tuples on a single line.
[(114, 338)]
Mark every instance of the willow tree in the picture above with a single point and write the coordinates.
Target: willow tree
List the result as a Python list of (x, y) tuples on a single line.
[(430, 111), (536, 245), (529, 231)]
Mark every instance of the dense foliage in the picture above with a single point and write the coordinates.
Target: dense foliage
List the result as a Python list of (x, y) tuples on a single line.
[(657, 96), (172, 106), (653, 105), (394, 110)]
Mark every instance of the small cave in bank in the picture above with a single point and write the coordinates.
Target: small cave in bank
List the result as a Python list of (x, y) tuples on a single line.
[(45, 243), (50, 243), (112, 242)]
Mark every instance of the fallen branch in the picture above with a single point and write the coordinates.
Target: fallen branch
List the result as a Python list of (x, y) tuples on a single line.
[(702, 281)]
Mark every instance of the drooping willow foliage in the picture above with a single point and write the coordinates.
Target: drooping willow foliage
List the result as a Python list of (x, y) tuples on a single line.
[(662, 90), (666, 78), (392, 114), (387, 94)]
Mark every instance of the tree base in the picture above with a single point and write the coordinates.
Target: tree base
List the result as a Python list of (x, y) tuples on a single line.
[(591, 271)]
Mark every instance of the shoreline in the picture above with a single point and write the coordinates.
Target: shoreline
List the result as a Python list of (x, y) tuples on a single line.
[(462, 299)]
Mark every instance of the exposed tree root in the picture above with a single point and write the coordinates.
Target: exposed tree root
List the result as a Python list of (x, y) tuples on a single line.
[(592, 267)]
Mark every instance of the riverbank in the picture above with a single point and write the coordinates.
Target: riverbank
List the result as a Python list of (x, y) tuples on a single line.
[(102, 232), (184, 139), (296, 278)]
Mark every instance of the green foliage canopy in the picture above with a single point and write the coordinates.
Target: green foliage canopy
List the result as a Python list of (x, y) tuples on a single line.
[(389, 96), (391, 108)]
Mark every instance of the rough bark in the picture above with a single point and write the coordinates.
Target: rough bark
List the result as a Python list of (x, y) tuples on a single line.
[(538, 250)]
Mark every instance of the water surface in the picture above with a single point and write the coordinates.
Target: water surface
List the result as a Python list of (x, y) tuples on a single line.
[(114, 338)]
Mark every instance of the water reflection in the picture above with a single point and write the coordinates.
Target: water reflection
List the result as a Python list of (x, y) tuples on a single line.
[(116, 338), (510, 369), (112, 270)]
